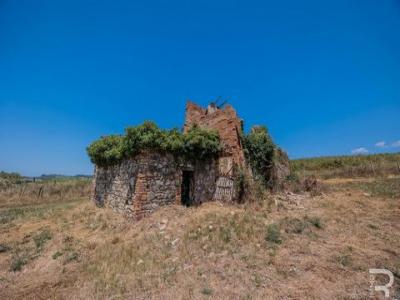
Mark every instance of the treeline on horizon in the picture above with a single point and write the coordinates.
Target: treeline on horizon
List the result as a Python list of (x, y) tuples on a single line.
[(15, 176)]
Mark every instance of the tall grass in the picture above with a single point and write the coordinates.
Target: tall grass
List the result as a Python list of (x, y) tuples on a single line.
[(51, 191), (348, 166)]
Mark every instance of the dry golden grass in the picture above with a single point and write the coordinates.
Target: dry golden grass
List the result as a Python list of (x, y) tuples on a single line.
[(312, 248), (51, 191)]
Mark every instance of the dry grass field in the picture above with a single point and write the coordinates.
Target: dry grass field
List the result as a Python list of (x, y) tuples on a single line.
[(286, 246)]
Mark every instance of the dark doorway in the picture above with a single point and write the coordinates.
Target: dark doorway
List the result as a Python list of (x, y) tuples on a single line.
[(186, 189)]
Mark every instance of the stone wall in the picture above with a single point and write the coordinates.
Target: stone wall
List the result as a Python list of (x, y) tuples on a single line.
[(142, 184), (229, 127), (205, 176)]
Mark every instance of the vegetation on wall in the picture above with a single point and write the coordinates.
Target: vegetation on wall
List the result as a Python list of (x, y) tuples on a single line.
[(259, 150), (197, 143)]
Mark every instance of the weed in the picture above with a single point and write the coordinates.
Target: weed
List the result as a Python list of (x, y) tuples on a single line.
[(273, 234), (294, 225), (73, 256), (207, 291), (316, 221), (299, 226), (57, 254), (19, 259), (373, 226), (345, 259), (41, 239), (17, 263)]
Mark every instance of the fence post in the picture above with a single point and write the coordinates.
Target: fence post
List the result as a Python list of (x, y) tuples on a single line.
[(40, 193)]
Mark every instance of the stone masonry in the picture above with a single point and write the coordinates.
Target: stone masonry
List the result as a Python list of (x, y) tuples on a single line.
[(149, 180), (229, 127), (142, 184)]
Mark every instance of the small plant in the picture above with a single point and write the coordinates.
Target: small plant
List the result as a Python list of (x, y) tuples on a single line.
[(73, 256), (295, 225), (57, 254), (207, 291), (345, 260), (316, 221), (17, 262), (41, 239), (373, 226), (273, 234)]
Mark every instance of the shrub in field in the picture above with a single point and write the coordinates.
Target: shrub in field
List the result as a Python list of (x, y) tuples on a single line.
[(273, 234)]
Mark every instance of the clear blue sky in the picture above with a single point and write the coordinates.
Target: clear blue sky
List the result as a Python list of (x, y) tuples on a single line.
[(324, 76)]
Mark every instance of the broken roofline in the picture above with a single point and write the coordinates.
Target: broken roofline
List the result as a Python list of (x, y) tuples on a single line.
[(225, 121)]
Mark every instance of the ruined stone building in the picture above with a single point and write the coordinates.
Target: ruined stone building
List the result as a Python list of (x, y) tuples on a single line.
[(141, 184)]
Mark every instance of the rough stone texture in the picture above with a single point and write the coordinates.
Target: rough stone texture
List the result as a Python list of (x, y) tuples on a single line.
[(225, 121), (140, 185), (228, 125), (205, 175), (225, 190)]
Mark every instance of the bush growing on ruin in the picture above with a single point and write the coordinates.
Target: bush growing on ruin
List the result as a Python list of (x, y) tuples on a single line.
[(173, 141), (197, 143), (259, 150), (145, 136), (200, 143), (107, 150)]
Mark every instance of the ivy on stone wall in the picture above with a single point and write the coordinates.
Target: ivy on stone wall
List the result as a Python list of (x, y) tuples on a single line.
[(197, 143)]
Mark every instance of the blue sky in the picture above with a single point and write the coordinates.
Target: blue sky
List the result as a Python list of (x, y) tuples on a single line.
[(324, 76)]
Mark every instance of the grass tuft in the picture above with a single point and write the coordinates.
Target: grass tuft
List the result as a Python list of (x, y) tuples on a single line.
[(273, 234)]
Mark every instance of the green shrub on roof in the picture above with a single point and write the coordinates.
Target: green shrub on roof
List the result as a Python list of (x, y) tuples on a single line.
[(197, 143), (107, 150), (200, 143)]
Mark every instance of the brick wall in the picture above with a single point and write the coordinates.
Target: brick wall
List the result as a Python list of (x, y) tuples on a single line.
[(225, 121)]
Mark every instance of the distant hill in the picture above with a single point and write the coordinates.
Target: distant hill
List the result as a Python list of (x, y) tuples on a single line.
[(60, 176), (349, 165), (7, 178)]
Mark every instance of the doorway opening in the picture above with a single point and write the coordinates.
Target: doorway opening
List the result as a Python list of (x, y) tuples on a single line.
[(187, 188)]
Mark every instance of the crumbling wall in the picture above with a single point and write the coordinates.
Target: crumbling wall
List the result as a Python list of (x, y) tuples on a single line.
[(139, 185), (205, 176), (225, 121), (229, 127), (142, 184)]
